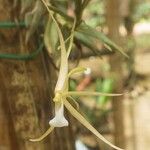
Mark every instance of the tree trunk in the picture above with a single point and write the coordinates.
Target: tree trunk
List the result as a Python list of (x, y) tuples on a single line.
[(27, 89), (129, 104), (113, 22)]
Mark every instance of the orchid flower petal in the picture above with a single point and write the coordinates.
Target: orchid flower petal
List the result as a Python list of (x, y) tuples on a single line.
[(83, 121), (89, 93), (75, 102), (76, 70), (50, 129)]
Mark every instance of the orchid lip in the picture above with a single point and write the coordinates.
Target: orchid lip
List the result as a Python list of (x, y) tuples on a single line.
[(59, 120)]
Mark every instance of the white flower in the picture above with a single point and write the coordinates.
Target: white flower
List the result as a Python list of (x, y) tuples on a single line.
[(59, 120)]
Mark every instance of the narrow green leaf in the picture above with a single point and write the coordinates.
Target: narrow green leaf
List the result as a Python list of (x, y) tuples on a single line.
[(86, 40), (87, 30)]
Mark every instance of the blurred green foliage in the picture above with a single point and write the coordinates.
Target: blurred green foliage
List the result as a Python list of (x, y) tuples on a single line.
[(105, 86), (84, 34), (142, 12), (95, 13)]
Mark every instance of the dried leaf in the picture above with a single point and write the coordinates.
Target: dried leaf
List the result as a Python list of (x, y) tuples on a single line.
[(26, 4), (33, 18)]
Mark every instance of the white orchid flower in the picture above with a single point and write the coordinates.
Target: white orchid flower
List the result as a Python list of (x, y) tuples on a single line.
[(59, 120), (62, 93)]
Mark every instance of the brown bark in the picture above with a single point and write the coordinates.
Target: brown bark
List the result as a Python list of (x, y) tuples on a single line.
[(7, 137), (27, 89), (113, 22)]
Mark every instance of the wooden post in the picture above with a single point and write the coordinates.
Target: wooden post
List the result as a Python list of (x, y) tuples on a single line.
[(113, 22)]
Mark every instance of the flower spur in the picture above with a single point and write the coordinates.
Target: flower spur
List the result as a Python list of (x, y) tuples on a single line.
[(62, 92)]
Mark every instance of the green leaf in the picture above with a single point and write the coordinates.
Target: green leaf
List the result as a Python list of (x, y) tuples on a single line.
[(89, 31), (50, 36), (90, 42), (106, 87), (86, 40)]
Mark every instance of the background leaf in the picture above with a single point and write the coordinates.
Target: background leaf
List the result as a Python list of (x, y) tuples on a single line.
[(89, 31), (33, 18), (50, 36)]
